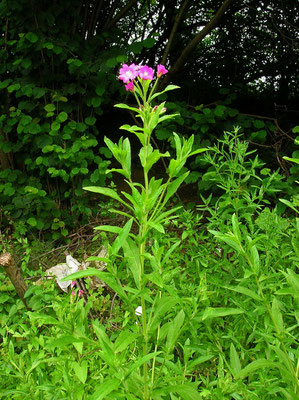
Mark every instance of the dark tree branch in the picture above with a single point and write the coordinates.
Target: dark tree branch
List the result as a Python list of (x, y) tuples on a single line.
[(197, 39), (178, 19), (121, 13)]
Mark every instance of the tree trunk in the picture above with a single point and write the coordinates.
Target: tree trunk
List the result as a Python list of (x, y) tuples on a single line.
[(197, 39), (14, 275)]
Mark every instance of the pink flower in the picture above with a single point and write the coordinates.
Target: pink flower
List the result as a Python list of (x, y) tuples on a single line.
[(80, 292), (130, 86), (164, 109), (128, 72), (73, 283), (161, 70), (73, 293), (146, 73)]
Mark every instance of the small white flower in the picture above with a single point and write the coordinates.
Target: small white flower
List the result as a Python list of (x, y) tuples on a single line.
[(138, 311)]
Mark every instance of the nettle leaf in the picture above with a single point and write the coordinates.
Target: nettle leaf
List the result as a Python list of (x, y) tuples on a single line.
[(219, 110), (32, 37), (61, 117), (32, 221), (50, 107), (90, 121)]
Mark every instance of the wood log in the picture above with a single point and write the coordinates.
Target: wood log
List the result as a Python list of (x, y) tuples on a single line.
[(14, 275)]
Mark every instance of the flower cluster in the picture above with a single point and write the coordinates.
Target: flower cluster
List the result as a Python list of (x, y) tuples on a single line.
[(128, 73)]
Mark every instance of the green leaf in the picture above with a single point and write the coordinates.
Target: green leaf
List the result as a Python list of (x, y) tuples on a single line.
[(229, 239), (254, 366), (61, 117), (277, 316), (174, 331), (168, 88), (32, 37), (121, 105), (122, 237), (295, 160), (163, 305), (90, 121), (132, 257), (187, 391), (246, 291), (140, 362), (236, 229), (258, 124), (211, 312), (107, 192), (104, 389), (106, 277), (157, 227), (289, 204), (174, 185), (124, 339), (148, 43), (50, 107), (219, 110), (80, 370), (31, 221), (234, 360)]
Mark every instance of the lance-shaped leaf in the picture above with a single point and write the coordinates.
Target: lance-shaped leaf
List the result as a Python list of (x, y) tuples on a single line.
[(168, 87), (107, 192), (121, 105)]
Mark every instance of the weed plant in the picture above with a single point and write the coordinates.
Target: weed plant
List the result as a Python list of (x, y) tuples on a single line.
[(193, 308)]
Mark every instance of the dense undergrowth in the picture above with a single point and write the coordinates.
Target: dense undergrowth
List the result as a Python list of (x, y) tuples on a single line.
[(223, 323), (191, 304), (238, 321)]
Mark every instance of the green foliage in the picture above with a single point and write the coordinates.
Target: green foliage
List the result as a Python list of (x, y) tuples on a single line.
[(52, 94), (221, 313)]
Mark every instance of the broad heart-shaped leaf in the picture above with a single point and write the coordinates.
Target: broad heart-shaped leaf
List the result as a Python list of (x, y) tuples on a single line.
[(107, 192)]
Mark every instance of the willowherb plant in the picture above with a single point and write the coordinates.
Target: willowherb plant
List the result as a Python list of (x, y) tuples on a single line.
[(146, 208)]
